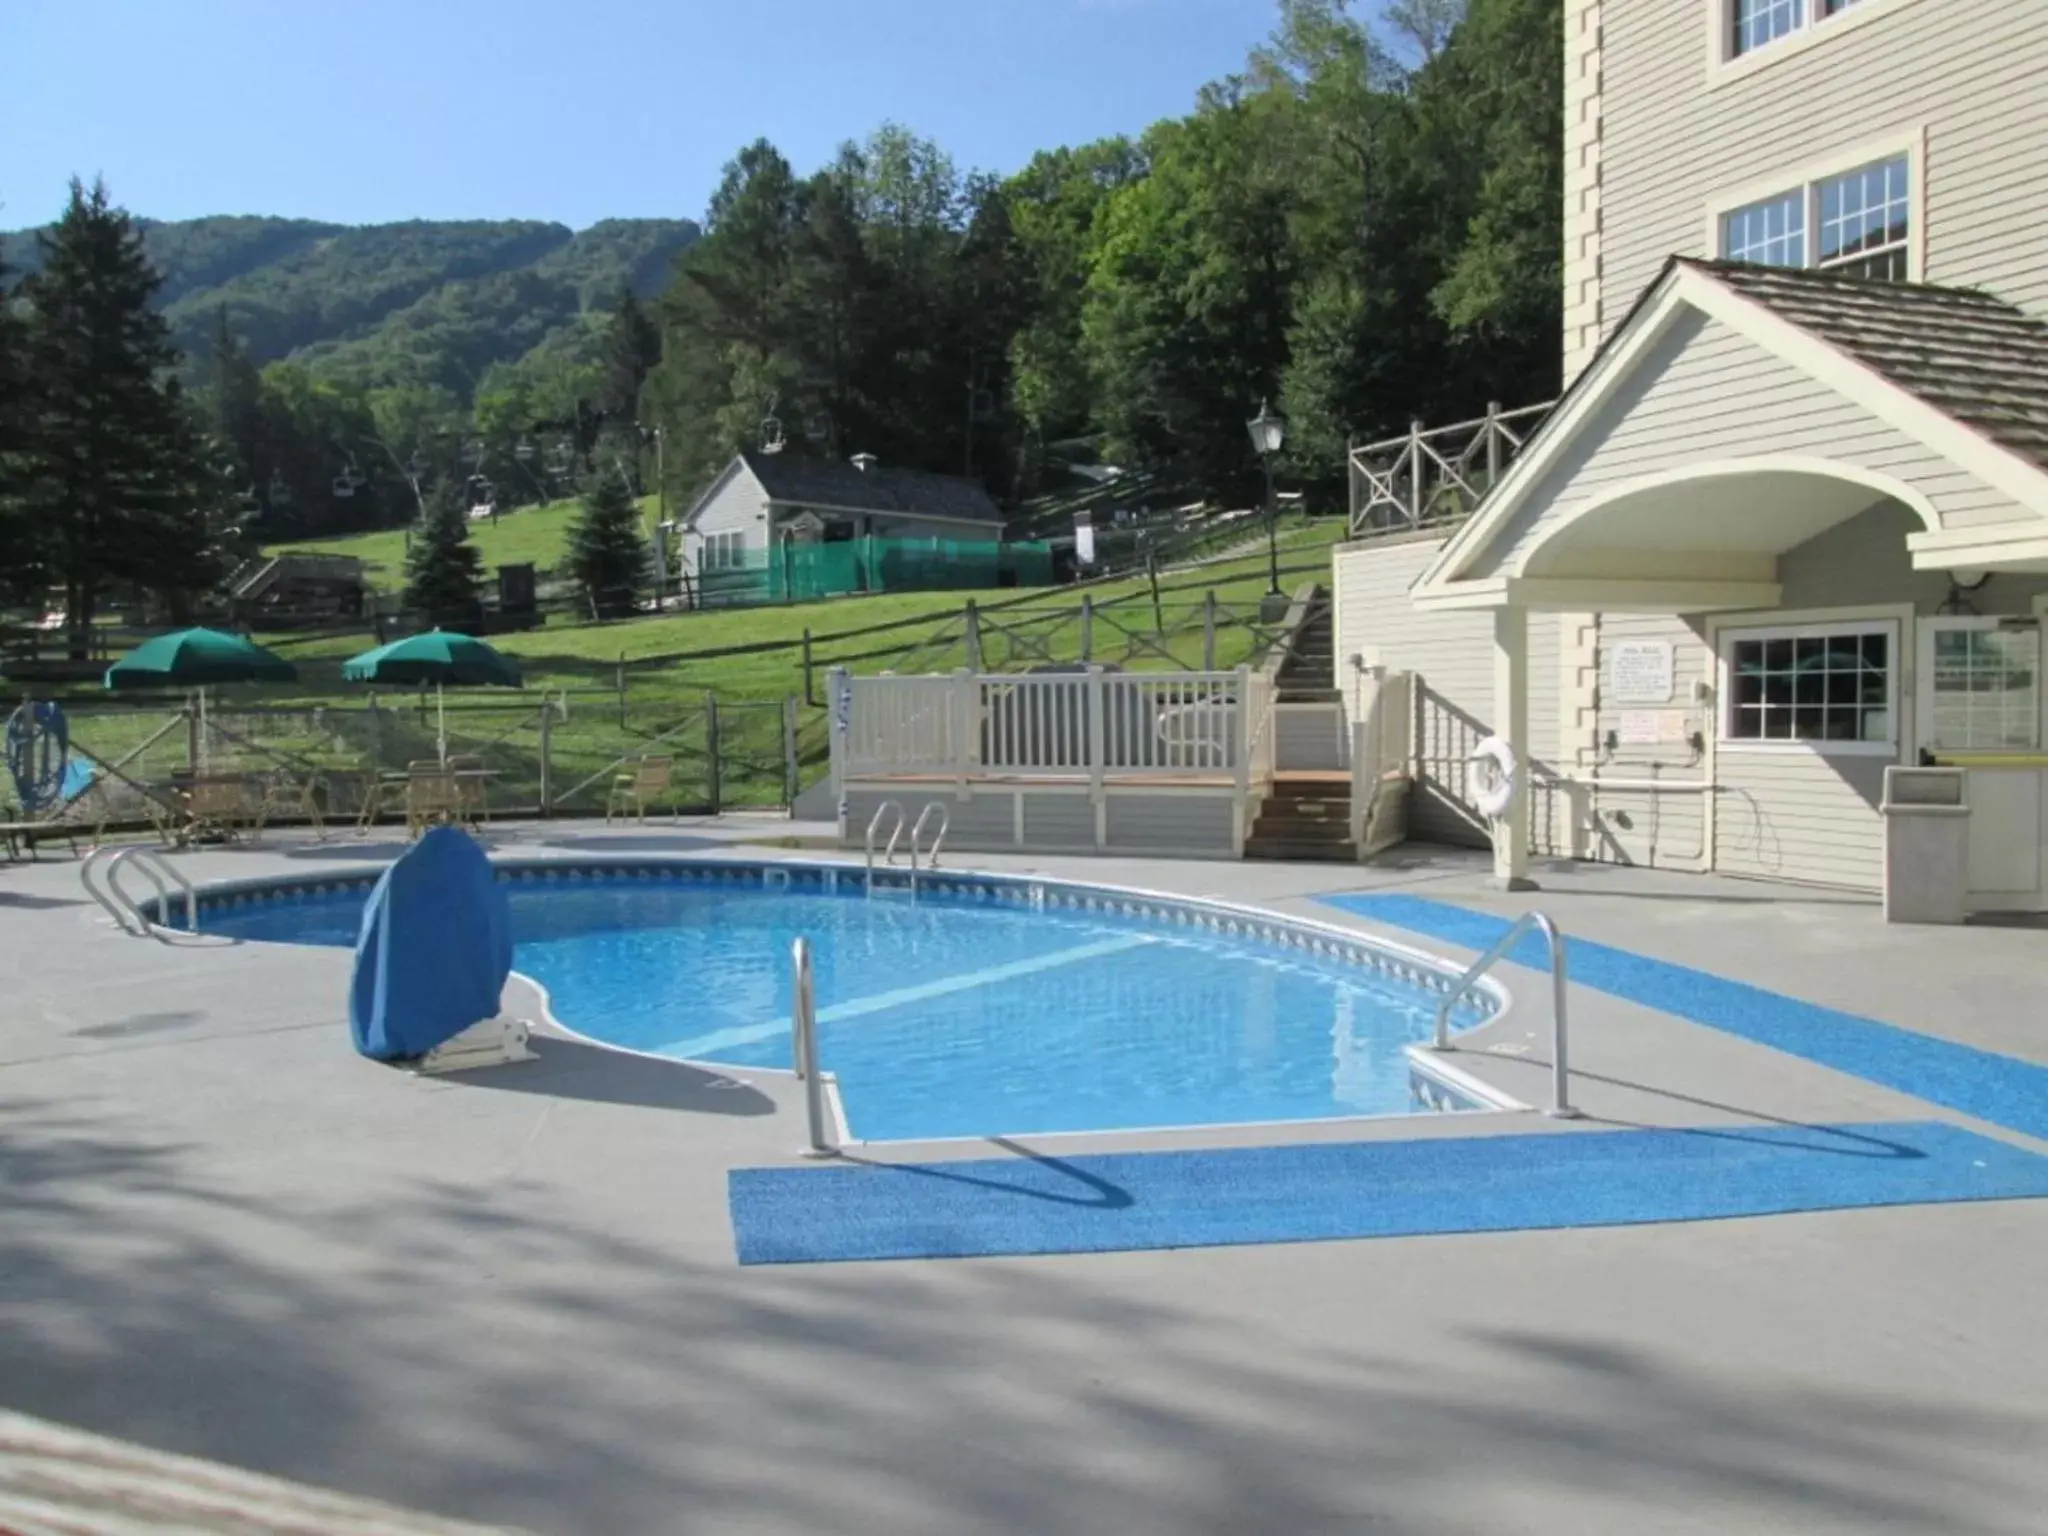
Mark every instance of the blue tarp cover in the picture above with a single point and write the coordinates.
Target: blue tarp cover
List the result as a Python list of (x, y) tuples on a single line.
[(434, 951)]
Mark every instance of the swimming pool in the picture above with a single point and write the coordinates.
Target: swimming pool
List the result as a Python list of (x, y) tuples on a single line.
[(984, 1005)]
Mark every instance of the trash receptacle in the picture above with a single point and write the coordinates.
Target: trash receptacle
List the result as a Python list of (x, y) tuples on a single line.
[(1926, 844)]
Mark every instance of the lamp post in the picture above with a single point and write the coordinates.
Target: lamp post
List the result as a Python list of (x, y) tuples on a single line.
[(1269, 431)]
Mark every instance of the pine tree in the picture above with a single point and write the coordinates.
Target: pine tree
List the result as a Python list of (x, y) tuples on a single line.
[(607, 554), (20, 553), (632, 347), (443, 572), (110, 459)]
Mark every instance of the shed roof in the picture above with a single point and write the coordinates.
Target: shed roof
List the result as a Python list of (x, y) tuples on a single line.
[(878, 488)]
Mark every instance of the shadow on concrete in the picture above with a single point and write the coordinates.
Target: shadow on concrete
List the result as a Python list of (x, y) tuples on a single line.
[(379, 853), (466, 1340), (1986, 919), (570, 1069), (140, 1024), (631, 842), (23, 901)]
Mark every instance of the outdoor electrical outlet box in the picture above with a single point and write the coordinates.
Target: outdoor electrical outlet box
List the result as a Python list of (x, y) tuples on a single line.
[(1926, 845)]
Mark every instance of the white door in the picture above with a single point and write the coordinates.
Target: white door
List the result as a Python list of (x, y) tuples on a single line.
[(1981, 694)]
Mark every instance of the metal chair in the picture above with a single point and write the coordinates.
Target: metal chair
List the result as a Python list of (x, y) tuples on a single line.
[(652, 778), (472, 789), (432, 794)]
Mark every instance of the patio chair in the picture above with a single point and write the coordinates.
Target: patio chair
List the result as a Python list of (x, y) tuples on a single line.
[(223, 806), (652, 779), (472, 788), (432, 795)]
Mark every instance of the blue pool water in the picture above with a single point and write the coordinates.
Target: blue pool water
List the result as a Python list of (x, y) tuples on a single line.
[(951, 1017)]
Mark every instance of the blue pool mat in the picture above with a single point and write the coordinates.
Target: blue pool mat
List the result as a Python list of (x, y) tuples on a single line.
[(2001, 1090), (1309, 1193)]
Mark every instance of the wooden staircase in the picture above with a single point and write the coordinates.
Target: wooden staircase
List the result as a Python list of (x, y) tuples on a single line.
[(1308, 672), (1307, 817)]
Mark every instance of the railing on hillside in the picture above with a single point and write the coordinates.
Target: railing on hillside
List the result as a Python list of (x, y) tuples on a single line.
[(1435, 477), (1091, 726)]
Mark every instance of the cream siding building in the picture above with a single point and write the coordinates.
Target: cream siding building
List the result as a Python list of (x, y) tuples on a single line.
[(1789, 523)]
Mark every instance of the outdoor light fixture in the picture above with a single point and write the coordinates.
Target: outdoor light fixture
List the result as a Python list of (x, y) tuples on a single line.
[(1269, 431)]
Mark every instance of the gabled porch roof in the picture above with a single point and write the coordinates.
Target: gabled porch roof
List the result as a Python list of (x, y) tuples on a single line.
[(1934, 397)]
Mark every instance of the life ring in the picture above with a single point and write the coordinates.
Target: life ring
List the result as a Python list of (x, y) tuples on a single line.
[(1493, 791)]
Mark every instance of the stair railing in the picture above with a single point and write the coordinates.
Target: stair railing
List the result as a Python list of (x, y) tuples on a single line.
[(1560, 1072)]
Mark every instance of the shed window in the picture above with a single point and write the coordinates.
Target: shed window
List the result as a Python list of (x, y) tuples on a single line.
[(724, 551), (1831, 687)]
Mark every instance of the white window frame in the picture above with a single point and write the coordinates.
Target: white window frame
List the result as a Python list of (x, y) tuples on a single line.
[(1815, 27), (1912, 144), (1895, 623), (722, 551)]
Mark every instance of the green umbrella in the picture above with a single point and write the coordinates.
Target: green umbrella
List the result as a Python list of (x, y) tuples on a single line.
[(195, 658), (440, 657)]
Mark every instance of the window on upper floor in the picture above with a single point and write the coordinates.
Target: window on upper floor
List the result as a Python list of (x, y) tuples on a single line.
[(1753, 24), (1858, 223)]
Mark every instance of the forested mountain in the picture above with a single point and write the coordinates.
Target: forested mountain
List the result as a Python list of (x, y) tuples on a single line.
[(422, 303), (1362, 227)]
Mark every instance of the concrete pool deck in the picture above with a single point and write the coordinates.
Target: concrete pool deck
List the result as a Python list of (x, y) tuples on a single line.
[(219, 1241)]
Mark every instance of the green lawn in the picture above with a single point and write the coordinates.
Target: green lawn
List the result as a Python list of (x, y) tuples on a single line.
[(666, 655), (667, 678), (538, 536)]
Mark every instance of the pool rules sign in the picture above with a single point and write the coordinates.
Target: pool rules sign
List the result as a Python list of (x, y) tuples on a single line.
[(1640, 672)]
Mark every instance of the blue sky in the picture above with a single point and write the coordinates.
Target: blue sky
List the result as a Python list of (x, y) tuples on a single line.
[(368, 110)]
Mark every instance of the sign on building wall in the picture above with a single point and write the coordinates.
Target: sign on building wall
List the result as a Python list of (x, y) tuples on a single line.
[(1653, 727), (1640, 672)]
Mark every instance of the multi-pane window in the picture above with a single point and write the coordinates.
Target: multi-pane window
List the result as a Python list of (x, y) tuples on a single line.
[(1862, 223), (1772, 232), (1765, 21), (1755, 23), (723, 551), (1986, 688), (1865, 219), (1815, 684)]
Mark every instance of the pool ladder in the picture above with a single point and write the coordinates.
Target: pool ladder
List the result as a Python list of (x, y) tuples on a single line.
[(917, 845), (803, 1033), (123, 908), (1560, 1073)]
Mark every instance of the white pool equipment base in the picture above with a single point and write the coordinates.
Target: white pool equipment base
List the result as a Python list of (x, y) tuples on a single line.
[(488, 1043)]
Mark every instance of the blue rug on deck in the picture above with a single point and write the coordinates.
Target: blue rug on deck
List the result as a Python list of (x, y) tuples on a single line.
[(1297, 1194), (2002, 1090)]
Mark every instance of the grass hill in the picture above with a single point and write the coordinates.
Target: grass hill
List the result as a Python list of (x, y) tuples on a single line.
[(536, 535), (412, 303)]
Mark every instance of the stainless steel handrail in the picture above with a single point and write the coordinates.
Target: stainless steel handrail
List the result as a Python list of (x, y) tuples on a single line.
[(803, 1022), (1560, 1091), (874, 825), (163, 877), (107, 901), (931, 855)]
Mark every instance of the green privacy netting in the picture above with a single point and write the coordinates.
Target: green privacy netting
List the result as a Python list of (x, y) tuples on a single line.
[(792, 572)]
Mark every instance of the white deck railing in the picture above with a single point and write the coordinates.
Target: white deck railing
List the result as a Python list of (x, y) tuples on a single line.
[(1089, 726)]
